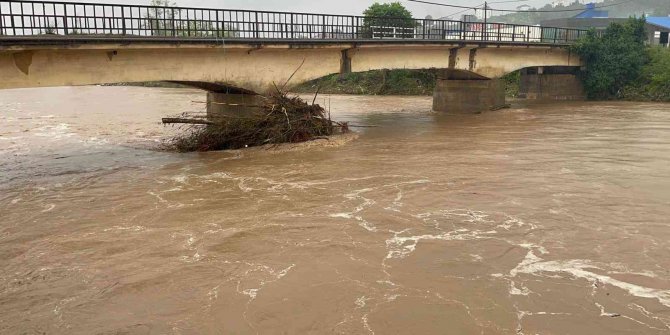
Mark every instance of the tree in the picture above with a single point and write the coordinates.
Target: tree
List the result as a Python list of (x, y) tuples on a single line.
[(164, 20), (160, 20), (382, 20), (612, 59)]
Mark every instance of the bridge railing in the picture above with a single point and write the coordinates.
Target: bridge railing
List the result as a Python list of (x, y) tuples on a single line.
[(49, 18)]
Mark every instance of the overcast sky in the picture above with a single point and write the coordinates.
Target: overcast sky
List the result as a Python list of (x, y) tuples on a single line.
[(348, 7)]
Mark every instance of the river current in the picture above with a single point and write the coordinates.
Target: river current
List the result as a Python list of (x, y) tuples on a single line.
[(539, 219)]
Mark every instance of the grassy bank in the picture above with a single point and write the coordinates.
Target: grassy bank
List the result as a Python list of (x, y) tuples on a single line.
[(388, 82), (381, 82), (653, 83)]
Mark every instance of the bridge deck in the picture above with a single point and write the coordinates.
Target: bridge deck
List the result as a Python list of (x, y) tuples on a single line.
[(27, 42), (35, 22)]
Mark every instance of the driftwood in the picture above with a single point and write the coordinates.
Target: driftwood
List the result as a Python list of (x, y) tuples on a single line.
[(173, 120), (499, 107), (225, 104)]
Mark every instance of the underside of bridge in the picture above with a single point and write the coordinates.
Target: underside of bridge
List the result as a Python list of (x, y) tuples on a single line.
[(243, 69)]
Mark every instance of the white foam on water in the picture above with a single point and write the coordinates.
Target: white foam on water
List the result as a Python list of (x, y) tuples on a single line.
[(95, 141), (120, 228), (361, 301), (342, 215), (252, 293), (401, 247), (55, 132), (513, 290), (48, 208), (356, 195), (10, 138), (182, 178), (578, 268)]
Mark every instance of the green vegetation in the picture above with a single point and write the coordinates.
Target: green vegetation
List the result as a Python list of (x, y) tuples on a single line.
[(654, 82), (382, 18), (389, 82), (381, 82), (613, 59), (166, 22), (512, 81), (620, 66)]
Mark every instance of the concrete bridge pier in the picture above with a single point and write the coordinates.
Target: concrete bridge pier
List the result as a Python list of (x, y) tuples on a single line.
[(551, 83), (231, 105), (473, 95)]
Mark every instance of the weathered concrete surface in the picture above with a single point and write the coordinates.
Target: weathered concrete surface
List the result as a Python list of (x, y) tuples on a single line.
[(468, 96), (551, 84), (232, 105), (252, 67)]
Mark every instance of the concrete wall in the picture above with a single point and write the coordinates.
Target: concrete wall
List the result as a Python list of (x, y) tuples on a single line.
[(223, 105), (545, 84), (468, 96), (253, 68)]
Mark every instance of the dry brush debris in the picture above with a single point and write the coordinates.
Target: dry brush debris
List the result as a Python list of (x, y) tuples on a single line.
[(283, 119)]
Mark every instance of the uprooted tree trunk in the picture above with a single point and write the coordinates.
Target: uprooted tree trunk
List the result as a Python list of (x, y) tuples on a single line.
[(283, 119)]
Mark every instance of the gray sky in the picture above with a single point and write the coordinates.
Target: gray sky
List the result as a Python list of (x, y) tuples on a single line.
[(348, 7)]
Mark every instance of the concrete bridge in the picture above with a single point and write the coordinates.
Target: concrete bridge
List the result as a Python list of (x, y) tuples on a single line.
[(234, 54)]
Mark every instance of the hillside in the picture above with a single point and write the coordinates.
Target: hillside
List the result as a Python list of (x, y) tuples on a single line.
[(632, 8)]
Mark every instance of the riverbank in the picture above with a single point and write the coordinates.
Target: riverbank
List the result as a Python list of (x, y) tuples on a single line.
[(158, 84), (389, 82), (653, 83)]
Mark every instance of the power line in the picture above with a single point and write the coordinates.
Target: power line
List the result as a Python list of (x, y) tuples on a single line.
[(518, 11), (441, 4)]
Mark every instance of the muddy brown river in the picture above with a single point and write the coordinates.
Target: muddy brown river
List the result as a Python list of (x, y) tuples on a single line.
[(540, 219)]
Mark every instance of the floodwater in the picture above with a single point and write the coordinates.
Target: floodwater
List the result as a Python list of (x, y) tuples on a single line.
[(540, 219)]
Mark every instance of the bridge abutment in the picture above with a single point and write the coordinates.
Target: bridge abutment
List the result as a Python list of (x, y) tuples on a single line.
[(551, 83), (468, 96), (221, 105)]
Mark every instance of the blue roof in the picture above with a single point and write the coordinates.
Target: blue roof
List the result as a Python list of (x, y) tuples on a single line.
[(592, 13), (661, 21)]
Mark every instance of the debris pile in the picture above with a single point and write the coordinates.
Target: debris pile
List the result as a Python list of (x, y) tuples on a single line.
[(282, 119)]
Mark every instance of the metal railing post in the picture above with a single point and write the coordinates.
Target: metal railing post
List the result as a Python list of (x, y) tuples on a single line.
[(2, 22), (123, 20), (174, 24), (555, 35), (11, 19), (323, 26), (256, 27), (64, 19), (218, 28), (358, 27), (424, 30)]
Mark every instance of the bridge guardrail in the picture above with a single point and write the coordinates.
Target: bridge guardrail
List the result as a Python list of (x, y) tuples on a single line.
[(49, 18)]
